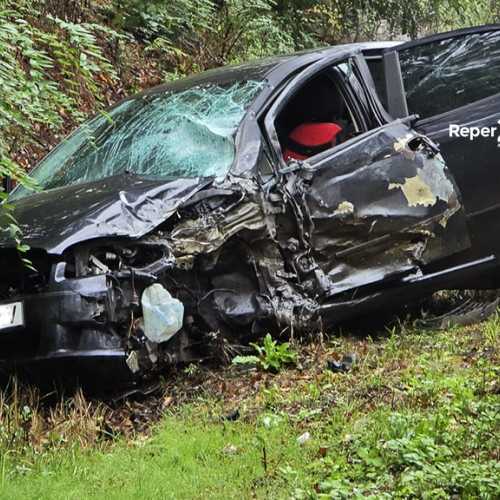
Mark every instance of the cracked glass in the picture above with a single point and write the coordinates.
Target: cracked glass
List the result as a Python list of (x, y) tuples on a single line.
[(447, 74), (186, 134)]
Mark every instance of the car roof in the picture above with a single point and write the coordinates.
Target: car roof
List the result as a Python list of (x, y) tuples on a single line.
[(272, 68)]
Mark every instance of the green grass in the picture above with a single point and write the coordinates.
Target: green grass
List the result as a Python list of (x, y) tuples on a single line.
[(419, 417), (188, 457)]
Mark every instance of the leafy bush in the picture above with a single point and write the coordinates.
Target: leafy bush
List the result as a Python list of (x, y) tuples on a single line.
[(212, 32), (48, 73), (175, 20)]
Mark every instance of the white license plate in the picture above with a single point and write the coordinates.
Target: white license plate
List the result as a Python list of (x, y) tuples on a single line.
[(11, 315)]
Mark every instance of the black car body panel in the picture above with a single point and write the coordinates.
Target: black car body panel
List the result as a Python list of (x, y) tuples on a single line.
[(116, 206), (135, 271)]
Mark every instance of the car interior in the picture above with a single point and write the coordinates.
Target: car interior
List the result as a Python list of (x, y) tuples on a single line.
[(318, 101)]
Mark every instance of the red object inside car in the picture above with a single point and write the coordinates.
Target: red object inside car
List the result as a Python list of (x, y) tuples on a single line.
[(308, 139)]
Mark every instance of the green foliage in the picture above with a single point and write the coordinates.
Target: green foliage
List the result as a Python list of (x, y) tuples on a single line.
[(175, 20), (271, 355), (188, 457), (198, 34), (336, 21), (48, 71), (212, 33), (434, 437), (248, 29), (421, 455)]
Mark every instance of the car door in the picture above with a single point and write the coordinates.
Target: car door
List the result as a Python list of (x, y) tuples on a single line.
[(452, 82), (377, 207)]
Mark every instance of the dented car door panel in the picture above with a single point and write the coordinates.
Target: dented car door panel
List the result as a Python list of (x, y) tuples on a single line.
[(371, 209), (386, 215)]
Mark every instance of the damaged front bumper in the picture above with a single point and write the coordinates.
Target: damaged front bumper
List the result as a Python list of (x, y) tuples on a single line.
[(116, 327)]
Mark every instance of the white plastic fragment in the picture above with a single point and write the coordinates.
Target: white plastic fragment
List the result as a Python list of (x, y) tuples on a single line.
[(161, 312), (271, 420), (229, 449), (303, 438)]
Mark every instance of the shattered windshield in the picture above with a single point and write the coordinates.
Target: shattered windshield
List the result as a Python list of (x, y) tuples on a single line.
[(189, 133)]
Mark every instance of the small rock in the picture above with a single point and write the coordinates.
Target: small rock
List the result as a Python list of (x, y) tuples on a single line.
[(345, 365)]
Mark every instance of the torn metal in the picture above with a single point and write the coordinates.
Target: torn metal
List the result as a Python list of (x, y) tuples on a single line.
[(150, 261)]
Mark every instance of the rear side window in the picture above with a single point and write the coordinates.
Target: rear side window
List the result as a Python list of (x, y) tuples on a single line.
[(447, 74)]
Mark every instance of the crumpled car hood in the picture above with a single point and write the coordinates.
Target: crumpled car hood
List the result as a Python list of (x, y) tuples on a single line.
[(125, 205)]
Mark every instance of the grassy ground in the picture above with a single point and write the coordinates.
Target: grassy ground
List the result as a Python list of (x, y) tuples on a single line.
[(417, 417)]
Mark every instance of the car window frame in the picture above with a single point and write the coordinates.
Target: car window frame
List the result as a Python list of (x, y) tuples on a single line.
[(298, 81)]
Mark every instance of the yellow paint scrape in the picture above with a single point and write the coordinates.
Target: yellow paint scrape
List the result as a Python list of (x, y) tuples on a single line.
[(401, 143), (416, 191), (346, 207)]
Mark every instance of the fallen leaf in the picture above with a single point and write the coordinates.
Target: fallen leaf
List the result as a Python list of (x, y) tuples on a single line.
[(323, 450)]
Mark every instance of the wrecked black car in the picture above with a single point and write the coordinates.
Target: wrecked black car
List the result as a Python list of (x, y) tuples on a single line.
[(276, 195)]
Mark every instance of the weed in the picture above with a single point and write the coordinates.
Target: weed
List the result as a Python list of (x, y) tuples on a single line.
[(492, 329), (28, 427), (191, 370), (271, 355)]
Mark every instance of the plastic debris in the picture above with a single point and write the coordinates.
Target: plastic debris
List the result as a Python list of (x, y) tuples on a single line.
[(162, 313), (303, 439), (468, 313), (229, 449), (235, 415), (271, 420), (132, 362)]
